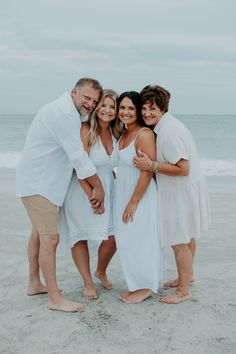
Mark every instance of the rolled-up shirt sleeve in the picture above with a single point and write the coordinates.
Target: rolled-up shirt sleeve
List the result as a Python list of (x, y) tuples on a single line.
[(67, 134), (175, 148)]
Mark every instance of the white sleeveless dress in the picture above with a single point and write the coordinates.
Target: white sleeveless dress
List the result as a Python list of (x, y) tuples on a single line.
[(138, 242), (77, 220)]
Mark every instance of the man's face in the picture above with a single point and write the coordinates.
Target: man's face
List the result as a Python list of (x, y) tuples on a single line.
[(151, 113), (85, 99)]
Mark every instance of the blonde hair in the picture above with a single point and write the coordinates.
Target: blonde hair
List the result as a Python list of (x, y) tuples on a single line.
[(94, 127)]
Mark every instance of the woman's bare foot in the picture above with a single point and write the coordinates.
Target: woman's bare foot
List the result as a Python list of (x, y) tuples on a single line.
[(104, 280), (36, 289), (138, 296), (61, 304), (124, 296), (175, 283), (175, 297), (90, 292)]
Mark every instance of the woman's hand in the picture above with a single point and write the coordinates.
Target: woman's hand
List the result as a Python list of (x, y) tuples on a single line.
[(99, 210), (142, 161), (128, 214)]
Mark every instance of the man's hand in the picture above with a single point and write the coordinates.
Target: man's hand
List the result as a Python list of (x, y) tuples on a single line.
[(98, 210), (142, 161), (97, 198)]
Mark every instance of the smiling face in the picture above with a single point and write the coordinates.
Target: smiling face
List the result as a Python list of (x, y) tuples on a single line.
[(85, 99), (107, 111), (127, 111), (151, 113)]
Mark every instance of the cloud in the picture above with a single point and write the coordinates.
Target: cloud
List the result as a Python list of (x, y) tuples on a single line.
[(45, 46)]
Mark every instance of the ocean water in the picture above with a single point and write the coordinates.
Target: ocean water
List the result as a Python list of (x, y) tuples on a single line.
[(215, 136)]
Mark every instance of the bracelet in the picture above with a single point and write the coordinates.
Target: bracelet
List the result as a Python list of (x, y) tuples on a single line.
[(153, 167)]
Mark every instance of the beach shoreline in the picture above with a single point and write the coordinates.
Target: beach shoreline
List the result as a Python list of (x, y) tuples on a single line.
[(204, 325)]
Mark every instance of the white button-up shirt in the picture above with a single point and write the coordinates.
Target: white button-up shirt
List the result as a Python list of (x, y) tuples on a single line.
[(52, 149)]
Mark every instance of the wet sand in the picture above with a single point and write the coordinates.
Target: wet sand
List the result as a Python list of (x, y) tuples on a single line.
[(205, 325)]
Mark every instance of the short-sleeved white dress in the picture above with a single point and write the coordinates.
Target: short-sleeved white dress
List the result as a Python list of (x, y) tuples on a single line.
[(77, 220), (184, 202), (138, 242)]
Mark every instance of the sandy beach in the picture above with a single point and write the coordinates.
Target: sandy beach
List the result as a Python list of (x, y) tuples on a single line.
[(205, 325)]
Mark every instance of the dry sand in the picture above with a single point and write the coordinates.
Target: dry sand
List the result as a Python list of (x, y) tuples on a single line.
[(205, 325)]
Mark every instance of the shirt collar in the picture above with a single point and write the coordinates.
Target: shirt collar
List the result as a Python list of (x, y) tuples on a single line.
[(68, 98), (161, 122)]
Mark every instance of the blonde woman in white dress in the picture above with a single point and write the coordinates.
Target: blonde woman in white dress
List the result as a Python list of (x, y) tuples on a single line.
[(136, 207), (78, 221)]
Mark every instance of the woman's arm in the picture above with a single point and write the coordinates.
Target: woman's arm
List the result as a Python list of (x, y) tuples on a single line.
[(145, 141), (144, 163)]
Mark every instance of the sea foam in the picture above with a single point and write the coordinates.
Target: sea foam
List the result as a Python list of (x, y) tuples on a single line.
[(9, 159), (209, 167), (218, 167)]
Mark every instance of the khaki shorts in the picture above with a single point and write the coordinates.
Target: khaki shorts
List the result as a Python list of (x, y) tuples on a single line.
[(42, 213)]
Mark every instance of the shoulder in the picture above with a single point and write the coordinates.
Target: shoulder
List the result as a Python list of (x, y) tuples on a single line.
[(84, 130), (145, 134), (145, 140), (85, 127), (171, 127)]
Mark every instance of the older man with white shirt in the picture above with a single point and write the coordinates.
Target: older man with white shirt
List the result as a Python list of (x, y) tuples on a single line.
[(53, 148)]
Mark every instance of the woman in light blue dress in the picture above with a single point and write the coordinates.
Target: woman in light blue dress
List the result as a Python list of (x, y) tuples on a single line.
[(78, 221), (136, 206)]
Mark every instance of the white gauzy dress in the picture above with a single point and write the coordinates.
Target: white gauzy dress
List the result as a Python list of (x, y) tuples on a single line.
[(184, 201), (77, 220), (138, 242)]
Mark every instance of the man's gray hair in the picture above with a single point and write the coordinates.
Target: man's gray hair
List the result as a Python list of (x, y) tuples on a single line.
[(88, 81)]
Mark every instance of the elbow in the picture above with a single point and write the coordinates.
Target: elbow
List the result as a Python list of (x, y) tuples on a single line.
[(184, 172), (183, 168)]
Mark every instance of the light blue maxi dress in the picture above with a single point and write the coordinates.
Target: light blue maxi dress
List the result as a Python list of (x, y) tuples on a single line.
[(138, 242)]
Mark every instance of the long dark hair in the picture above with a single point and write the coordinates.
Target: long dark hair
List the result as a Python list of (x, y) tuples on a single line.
[(135, 98)]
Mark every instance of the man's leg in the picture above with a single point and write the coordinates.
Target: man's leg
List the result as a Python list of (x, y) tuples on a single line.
[(174, 283), (80, 255), (47, 261), (35, 286), (44, 217), (184, 263), (106, 251)]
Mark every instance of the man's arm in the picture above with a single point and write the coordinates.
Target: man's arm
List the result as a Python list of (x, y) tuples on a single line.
[(92, 185), (67, 137)]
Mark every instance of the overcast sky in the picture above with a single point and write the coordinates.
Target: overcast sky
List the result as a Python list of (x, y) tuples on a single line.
[(187, 46)]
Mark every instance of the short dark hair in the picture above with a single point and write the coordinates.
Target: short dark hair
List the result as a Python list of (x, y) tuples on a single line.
[(135, 98), (155, 94), (88, 81)]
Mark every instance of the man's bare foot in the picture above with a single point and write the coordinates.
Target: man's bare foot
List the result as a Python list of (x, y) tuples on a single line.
[(124, 296), (175, 283), (90, 292), (104, 280), (175, 298), (36, 290), (61, 304), (138, 296)]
